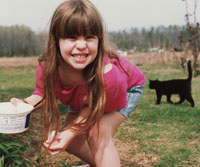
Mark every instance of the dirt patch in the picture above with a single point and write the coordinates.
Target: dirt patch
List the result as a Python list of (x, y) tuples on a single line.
[(138, 59), (18, 61)]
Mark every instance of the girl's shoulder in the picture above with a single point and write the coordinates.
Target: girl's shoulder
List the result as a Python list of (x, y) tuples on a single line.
[(118, 62), (113, 73), (122, 71)]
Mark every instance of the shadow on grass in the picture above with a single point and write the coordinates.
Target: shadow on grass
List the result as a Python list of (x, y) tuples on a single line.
[(18, 92)]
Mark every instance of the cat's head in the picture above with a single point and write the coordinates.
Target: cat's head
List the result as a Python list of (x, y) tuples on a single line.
[(153, 83)]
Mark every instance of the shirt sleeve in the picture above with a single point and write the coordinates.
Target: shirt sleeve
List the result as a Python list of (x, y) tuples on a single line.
[(39, 81)]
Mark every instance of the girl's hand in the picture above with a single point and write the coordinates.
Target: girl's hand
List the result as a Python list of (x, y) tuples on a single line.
[(34, 100), (61, 142), (14, 101)]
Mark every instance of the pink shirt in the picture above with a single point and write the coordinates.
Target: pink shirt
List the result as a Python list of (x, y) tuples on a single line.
[(116, 83)]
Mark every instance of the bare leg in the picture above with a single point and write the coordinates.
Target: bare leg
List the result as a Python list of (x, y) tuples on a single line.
[(79, 146), (100, 151), (101, 143)]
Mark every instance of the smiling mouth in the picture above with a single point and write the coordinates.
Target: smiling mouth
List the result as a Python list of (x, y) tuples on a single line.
[(80, 56)]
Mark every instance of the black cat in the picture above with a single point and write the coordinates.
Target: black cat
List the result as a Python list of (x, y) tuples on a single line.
[(176, 86)]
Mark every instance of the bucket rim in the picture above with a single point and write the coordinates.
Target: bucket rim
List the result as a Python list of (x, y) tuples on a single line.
[(27, 111)]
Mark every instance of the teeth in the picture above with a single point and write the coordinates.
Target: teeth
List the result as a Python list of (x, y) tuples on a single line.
[(80, 56)]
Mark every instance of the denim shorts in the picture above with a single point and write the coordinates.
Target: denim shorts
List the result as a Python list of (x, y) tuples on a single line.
[(133, 95)]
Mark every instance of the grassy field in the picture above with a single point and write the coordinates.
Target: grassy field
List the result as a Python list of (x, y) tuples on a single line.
[(162, 135), (169, 133)]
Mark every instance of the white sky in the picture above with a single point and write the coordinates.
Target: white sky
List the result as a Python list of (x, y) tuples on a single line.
[(117, 14)]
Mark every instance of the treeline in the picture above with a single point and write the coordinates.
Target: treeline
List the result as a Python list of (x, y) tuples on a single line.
[(22, 41), (160, 37)]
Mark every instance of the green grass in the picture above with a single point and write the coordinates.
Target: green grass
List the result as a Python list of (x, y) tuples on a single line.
[(12, 152), (16, 82), (169, 132)]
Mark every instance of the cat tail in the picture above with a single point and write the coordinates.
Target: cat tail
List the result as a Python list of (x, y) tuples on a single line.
[(189, 70)]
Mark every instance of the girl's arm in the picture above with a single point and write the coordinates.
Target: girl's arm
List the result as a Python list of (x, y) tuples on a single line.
[(36, 96), (63, 138), (34, 100)]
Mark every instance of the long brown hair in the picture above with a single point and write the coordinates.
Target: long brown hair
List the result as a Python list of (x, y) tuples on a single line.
[(74, 18)]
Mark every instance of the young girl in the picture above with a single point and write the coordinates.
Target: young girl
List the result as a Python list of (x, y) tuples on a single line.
[(100, 87)]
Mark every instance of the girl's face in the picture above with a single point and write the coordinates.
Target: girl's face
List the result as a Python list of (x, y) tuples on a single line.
[(80, 51)]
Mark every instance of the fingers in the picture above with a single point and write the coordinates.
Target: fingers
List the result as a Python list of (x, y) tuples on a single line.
[(54, 152), (56, 145), (59, 143), (51, 136), (55, 148), (14, 101)]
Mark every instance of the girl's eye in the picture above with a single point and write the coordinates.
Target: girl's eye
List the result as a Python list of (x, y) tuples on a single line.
[(90, 37), (71, 37)]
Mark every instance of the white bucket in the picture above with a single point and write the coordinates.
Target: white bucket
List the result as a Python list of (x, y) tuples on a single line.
[(14, 119)]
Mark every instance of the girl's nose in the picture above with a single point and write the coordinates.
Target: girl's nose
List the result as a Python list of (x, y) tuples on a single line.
[(81, 44)]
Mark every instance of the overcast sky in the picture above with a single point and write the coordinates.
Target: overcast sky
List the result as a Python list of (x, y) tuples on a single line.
[(117, 14)]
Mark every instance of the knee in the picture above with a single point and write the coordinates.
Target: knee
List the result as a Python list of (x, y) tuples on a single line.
[(99, 136)]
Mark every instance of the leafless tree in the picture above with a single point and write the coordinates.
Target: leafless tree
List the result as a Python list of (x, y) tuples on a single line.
[(193, 29)]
